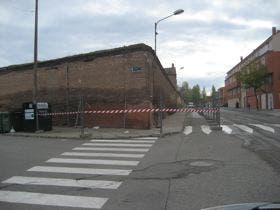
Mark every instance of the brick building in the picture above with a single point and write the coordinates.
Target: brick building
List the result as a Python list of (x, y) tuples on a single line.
[(172, 75), (222, 100), (267, 53), (120, 78)]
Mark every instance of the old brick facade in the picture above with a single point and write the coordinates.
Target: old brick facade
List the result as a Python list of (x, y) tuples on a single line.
[(172, 75), (125, 77)]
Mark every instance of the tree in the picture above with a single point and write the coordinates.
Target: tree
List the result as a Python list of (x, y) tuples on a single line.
[(196, 94), (213, 92), (186, 92), (203, 96), (214, 96), (253, 76)]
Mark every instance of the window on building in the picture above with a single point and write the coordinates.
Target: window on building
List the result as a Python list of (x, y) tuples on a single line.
[(269, 79)]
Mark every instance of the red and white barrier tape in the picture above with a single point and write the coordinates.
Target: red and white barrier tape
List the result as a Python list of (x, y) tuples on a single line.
[(120, 111)]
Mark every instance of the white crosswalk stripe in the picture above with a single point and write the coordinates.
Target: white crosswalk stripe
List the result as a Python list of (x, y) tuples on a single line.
[(264, 127), (206, 129), (117, 145), (94, 161), (52, 199), (187, 130), (146, 138), (235, 129), (244, 128), (119, 152), (124, 141), (92, 154), (112, 149), (229, 129), (69, 170), (100, 184), (226, 129)]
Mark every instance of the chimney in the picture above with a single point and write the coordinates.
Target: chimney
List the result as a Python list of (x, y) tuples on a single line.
[(274, 31), (241, 58), (173, 65)]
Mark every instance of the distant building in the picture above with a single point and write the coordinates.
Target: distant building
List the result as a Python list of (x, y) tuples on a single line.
[(121, 78), (172, 75), (222, 96), (267, 53)]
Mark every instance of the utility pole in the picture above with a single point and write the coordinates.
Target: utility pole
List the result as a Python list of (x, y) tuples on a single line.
[(67, 95), (160, 114), (156, 33), (82, 114), (35, 88)]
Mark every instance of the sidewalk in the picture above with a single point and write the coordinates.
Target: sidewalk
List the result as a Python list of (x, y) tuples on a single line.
[(274, 112), (171, 124)]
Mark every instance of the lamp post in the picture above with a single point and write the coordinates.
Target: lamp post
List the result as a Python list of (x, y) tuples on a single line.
[(177, 12), (35, 85)]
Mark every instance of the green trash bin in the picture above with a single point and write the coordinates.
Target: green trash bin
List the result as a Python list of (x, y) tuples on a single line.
[(5, 122)]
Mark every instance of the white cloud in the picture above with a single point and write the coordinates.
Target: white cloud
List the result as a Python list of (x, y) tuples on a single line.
[(207, 39), (107, 7), (208, 57), (252, 23)]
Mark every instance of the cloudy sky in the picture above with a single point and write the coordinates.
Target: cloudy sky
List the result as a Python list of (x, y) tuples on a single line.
[(207, 39)]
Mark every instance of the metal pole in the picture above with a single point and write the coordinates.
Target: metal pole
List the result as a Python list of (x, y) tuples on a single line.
[(67, 95), (35, 64), (124, 116), (219, 117), (82, 116), (155, 38), (160, 113)]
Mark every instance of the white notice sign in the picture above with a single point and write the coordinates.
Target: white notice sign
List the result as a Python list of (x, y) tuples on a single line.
[(29, 114)]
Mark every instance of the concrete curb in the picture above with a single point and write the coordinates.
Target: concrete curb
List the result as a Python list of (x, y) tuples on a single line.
[(81, 138), (104, 135), (92, 137)]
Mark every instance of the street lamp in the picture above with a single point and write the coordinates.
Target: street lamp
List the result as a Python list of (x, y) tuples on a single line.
[(35, 77), (177, 12)]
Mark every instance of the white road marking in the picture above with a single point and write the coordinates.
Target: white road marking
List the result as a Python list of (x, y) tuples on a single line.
[(244, 128), (94, 161), (112, 149), (206, 129), (53, 169), (264, 127), (89, 154), (100, 184), (226, 129), (187, 130), (146, 138), (125, 141), (117, 145), (52, 199), (196, 115)]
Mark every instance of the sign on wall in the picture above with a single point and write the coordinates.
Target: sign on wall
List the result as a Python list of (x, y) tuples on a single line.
[(136, 69), (29, 114)]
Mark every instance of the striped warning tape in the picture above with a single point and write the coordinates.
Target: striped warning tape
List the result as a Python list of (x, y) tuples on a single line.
[(120, 111)]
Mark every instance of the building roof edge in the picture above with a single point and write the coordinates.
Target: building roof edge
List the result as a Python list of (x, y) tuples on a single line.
[(81, 57)]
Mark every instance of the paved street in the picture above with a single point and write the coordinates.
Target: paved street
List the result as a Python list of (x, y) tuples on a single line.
[(197, 168), (260, 131)]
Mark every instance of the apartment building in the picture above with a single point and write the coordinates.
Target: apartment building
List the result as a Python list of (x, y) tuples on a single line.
[(268, 53)]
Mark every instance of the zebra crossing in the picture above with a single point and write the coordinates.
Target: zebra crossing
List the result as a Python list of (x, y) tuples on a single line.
[(235, 128), (127, 151)]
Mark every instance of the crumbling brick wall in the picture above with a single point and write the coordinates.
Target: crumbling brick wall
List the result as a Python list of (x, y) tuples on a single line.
[(130, 76)]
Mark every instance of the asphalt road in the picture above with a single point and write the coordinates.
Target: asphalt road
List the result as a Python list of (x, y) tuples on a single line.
[(195, 169), (265, 137)]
